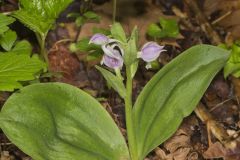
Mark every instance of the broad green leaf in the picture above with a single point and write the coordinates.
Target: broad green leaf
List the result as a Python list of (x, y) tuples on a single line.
[(173, 93), (56, 121), (153, 30), (4, 22), (130, 54), (39, 15), (118, 32), (22, 47), (6, 85), (8, 39), (115, 82), (16, 68)]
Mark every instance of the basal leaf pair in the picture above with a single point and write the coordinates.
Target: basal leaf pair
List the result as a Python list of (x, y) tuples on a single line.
[(57, 121)]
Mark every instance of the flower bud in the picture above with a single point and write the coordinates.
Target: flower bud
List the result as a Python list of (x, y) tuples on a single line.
[(99, 39), (150, 51)]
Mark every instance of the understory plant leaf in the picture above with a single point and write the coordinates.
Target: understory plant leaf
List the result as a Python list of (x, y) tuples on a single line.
[(165, 28), (173, 93), (115, 82), (16, 68), (4, 22), (22, 47), (131, 49), (39, 15), (233, 64), (8, 39), (118, 32), (56, 121)]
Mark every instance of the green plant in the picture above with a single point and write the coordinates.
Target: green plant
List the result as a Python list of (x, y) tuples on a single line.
[(83, 16), (66, 123), (165, 28), (233, 64), (16, 63), (93, 52), (39, 16)]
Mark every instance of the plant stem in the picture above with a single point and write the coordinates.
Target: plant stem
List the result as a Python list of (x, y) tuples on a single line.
[(43, 52), (114, 10), (128, 114)]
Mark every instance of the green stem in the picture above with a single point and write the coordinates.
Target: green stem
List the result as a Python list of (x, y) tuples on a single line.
[(128, 114), (114, 10), (43, 51)]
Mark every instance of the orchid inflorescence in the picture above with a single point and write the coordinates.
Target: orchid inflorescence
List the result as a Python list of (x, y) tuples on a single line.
[(114, 52)]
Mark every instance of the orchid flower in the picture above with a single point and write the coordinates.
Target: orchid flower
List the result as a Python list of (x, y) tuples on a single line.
[(112, 51), (150, 52)]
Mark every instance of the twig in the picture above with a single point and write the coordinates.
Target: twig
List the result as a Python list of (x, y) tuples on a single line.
[(221, 17), (205, 26), (214, 126)]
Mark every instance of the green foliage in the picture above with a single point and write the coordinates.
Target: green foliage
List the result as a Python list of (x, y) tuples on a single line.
[(115, 82), (16, 63), (165, 28), (22, 47), (40, 15), (4, 22), (63, 123), (7, 39), (94, 52), (101, 30), (173, 93), (84, 46), (16, 68), (233, 64), (118, 32), (131, 48), (80, 20)]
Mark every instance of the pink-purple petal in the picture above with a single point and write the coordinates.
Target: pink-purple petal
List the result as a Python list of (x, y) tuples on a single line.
[(99, 39), (112, 62), (151, 51)]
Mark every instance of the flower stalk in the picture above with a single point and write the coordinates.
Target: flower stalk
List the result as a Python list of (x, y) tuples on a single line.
[(114, 10), (128, 114)]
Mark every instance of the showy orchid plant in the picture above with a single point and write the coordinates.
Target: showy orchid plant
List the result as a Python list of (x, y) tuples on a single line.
[(114, 53), (56, 121)]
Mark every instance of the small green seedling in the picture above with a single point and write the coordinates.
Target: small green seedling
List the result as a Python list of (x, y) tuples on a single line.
[(166, 28), (233, 64), (56, 121)]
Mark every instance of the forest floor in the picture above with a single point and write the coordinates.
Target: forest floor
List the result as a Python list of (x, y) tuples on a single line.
[(212, 22)]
